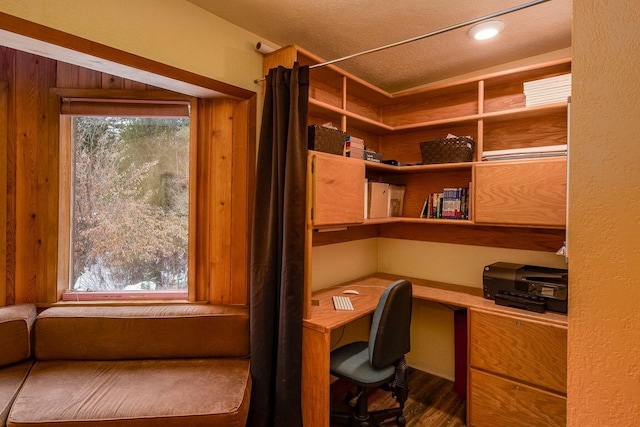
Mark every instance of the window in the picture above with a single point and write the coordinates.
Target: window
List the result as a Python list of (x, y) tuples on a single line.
[(128, 199)]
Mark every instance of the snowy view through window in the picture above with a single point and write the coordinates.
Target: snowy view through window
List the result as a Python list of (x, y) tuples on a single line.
[(130, 203)]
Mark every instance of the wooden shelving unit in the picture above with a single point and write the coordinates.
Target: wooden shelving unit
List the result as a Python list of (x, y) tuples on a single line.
[(517, 204), (489, 108)]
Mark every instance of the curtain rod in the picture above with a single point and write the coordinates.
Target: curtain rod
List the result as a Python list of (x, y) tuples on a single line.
[(424, 36)]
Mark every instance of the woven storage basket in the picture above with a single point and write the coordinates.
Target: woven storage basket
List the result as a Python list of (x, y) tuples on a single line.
[(447, 150), (326, 139)]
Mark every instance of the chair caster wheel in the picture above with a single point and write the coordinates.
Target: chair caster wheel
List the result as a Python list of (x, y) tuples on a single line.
[(401, 420)]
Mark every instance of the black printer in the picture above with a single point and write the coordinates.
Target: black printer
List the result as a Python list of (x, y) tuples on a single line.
[(526, 286)]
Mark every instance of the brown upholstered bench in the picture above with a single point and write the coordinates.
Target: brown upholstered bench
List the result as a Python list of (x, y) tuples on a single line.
[(184, 365), (16, 322)]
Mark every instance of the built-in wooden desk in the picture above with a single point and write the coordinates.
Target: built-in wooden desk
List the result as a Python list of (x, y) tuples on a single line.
[(316, 341)]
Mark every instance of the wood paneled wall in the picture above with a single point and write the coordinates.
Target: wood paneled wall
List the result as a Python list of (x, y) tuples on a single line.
[(29, 170)]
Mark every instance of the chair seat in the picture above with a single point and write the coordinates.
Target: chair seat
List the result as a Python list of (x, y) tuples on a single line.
[(352, 361)]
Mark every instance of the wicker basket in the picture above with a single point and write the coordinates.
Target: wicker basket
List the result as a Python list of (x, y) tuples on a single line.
[(447, 150), (326, 139)]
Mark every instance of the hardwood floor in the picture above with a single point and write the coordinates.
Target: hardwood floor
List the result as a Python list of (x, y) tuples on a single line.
[(432, 401)]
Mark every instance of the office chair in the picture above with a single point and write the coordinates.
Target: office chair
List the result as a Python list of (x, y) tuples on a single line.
[(379, 362)]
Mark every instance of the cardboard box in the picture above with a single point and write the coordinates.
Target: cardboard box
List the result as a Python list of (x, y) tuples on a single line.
[(396, 200), (378, 200)]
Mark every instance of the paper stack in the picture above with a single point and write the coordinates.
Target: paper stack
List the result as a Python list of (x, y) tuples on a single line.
[(547, 91), (526, 153)]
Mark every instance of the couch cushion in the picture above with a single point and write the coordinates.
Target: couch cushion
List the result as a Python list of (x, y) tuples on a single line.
[(11, 378), (193, 392), (142, 332), (15, 332)]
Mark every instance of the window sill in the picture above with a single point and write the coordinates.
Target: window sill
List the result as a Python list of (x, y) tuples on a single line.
[(124, 298)]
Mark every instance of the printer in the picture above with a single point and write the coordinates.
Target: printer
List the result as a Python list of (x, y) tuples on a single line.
[(526, 286)]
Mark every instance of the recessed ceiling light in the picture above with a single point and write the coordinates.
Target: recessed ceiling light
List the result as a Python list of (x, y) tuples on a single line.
[(486, 30)]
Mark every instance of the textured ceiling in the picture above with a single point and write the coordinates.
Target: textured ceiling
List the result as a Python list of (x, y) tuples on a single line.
[(336, 28)]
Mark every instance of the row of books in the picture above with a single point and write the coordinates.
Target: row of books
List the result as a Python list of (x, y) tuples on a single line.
[(549, 90), (451, 203)]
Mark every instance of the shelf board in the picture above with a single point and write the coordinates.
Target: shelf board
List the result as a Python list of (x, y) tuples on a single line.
[(440, 122), (382, 128), (416, 168), (391, 220), (524, 112), (375, 166), (360, 121)]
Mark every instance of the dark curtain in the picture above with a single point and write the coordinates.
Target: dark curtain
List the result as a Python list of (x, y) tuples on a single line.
[(277, 251)]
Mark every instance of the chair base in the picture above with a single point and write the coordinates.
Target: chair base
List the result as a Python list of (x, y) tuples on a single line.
[(359, 416)]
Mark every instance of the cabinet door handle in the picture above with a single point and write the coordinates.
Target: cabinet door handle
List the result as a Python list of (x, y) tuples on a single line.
[(518, 323), (517, 388)]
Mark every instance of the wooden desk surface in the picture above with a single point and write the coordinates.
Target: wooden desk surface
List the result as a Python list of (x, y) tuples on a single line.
[(325, 318)]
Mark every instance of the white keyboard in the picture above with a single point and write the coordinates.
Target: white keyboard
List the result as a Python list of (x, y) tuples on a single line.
[(342, 303)]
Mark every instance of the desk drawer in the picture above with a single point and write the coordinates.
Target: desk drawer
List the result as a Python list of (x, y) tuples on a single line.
[(497, 402), (530, 351)]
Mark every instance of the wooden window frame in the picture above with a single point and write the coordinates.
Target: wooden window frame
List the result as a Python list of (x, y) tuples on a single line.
[(137, 103)]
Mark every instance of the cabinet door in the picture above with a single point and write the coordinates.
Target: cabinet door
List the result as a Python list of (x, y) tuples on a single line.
[(521, 193), (337, 190), (498, 402), (524, 350)]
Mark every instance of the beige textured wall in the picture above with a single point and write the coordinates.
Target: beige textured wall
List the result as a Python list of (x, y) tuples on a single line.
[(604, 211), (341, 262), (173, 32)]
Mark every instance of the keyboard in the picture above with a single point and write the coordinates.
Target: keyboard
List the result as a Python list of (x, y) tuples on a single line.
[(342, 303)]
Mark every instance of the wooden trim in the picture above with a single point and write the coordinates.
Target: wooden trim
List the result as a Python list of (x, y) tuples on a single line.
[(221, 162), (321, 238), (65, 189), (308, 239), (194, 166), (119, 95), (125, 296), (8, 71), (535, 239), (202, 206), (74, 43), (346, 74), (244, 157), (4, 113), (437, 86)]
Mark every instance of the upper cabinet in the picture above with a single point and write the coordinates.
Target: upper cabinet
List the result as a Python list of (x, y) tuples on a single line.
[(529, 193), (336, 190), (491, 109)]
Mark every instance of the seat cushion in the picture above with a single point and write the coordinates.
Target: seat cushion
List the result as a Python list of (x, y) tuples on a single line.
[(193, 392), (142, 332), (11, 378), (352, 362), (15, 332)]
